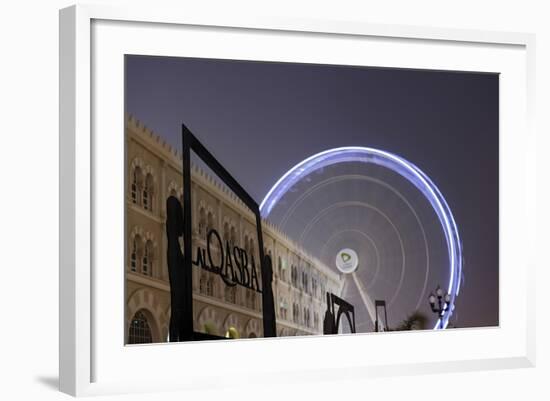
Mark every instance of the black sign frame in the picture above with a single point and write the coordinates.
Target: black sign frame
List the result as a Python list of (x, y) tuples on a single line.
[(191, 143), (379, 303)]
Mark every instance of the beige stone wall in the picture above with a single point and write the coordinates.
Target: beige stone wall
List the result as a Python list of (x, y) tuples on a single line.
[(215, 309)]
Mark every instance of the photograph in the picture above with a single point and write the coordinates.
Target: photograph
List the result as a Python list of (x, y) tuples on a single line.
[(282, 200), (274, 199)]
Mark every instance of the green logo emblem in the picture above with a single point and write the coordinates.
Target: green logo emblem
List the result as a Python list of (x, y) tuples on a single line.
[(345, 256)]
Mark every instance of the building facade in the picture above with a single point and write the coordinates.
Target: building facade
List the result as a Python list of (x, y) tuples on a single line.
[(300, 282)]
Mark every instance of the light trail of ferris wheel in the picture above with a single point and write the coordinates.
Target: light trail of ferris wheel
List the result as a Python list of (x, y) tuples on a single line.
[(400, 166)]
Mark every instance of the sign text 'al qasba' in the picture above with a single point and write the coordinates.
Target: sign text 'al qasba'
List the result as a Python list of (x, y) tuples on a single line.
[(232, 263)]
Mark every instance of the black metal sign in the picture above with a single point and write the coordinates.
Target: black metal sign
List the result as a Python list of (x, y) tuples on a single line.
[(234, 267), (378, 325), (333, 315)]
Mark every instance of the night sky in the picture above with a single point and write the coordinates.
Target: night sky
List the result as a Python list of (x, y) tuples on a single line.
[(259, 119)]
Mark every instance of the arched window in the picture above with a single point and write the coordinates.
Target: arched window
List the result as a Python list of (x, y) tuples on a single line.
[(136, 184), (246, 247), (140, 330), (134, 253), (202, 283), (231, 294), (147, 261), (148, 191), (295, 313), (210, 222), (233, 239), (173, 193), (305, 282), (294, 275), (251, 299), (225, 232), (282, 309), (210, 286), (202, 221), (145, 198)]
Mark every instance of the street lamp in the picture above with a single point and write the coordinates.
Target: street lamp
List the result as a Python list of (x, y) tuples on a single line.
[(442, 299)]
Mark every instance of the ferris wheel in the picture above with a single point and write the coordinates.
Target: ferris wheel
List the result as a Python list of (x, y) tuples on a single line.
[(379, 221)]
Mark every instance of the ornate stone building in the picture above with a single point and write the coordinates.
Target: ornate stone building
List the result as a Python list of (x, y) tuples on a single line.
[(300, 282)]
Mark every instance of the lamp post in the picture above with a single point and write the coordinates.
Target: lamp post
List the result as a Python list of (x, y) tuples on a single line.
[(442, 299)]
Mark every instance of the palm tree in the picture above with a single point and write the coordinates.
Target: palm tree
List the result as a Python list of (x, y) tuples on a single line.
[(415, 321)]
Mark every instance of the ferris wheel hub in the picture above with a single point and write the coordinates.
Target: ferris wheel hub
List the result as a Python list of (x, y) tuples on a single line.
[(347, 261)]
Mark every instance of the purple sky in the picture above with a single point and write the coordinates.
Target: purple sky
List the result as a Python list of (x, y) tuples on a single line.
[(260, 119)]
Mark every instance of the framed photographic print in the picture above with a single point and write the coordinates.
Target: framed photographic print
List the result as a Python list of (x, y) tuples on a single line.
[(248, 190)]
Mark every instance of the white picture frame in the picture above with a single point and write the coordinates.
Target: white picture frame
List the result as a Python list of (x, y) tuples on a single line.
[(93, 358)]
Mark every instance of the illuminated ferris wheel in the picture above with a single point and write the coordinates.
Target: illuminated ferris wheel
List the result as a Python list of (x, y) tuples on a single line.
[(378, 220)]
